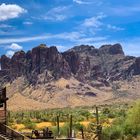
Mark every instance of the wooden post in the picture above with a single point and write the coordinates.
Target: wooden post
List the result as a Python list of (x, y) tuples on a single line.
[(70, 126), (58, 127)]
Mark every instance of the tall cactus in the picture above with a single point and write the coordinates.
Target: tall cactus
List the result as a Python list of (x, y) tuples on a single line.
[(58, 127)]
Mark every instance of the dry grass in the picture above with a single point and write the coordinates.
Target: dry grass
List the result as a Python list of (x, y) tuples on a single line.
[(41, 125), (47, 124), (85, 123), (18, 126)]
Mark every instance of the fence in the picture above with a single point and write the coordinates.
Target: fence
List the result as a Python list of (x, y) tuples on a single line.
[(11, 133)]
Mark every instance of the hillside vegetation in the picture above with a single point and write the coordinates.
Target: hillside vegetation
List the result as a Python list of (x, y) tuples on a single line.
[(118, 121)]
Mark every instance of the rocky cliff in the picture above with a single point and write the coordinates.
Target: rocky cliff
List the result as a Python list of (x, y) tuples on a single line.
[(83, 62)]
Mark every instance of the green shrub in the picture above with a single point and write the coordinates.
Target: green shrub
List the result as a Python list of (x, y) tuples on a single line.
[(132, 123), (112, 133), (106, 111), (64, 130), (30, 125), (78, 126)]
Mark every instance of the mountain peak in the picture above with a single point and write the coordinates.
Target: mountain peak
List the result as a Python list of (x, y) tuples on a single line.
[(112, 49), (81, 48)]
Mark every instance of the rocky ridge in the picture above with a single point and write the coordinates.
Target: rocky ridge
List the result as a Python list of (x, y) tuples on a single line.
[(86, 64), (83, 62)]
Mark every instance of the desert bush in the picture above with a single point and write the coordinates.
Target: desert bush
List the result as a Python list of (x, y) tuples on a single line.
[(111, 115), (54, 130), (125, 123), (64, 130), (30, 125), (78, 126), (106, 111), (112, 133), (132, 123)]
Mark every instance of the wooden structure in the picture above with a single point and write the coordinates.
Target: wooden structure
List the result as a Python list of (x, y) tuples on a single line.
[(6, 133), (3, 106)]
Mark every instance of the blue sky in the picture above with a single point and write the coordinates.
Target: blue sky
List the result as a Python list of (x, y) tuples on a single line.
[(25, 24)]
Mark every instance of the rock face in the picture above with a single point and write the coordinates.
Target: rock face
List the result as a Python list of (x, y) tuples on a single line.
[(112, 49), (5, 62), (85, 63), (31, 64), (73, 60), (18, 64), (137, 66)]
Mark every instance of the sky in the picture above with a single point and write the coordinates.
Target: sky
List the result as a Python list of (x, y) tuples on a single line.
[(25, 24)]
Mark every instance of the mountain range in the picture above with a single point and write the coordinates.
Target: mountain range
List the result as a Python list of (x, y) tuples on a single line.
[(81, 76)]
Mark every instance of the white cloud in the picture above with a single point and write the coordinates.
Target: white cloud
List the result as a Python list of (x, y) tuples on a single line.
[(75, 37), (14, 46), (12, 49), (71, 36), (10, 53), (81, 2), (5, 26), (89, 40), (115, 28), (61, 47), (78, 38), (88, 2), (90, 26), (23, 39), (56, 14), (125, 10), (27, 23), (94, 21), (9, 11), (67, 36)]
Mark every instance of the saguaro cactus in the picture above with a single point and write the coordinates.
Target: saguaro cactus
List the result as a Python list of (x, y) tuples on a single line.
[(58, 127), (70, 126)]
